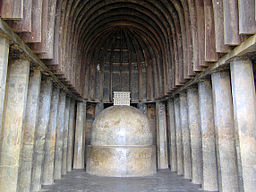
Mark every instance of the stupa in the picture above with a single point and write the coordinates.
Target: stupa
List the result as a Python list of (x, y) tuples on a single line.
[(121, 144)]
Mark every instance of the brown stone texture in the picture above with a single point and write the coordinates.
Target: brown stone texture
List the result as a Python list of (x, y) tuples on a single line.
[(65, 138), (225, 132), (50, 141), (79, 145), (59, 135), (209, 163), (162, 152), (30, 124), (4, 53), (195, 135), (12, 124), (180, 168), (172, 136), (151, 114), (185, 136), (40, 132), (71, 131), (244, 100)]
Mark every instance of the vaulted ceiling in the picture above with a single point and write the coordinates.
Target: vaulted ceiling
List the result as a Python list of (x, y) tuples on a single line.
[(149, 47)]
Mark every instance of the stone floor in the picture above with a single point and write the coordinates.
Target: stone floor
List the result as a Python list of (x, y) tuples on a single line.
[(163, 181)]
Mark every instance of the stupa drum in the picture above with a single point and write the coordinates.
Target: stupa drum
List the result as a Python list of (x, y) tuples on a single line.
[(121, 144)]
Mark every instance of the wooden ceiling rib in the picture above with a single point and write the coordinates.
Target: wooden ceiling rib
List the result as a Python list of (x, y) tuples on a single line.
[(173, 40)]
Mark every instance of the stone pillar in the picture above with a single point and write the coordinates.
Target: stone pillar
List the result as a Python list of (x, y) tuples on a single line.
[(185, 135), (79, 149), (142, 107), (71, 130), (59, 135), (210, 175), (172, 136), (195, 135), (65, 138), (40, 132), (98, 108), (4, 53), (180, 168), (223, 118), (12, 125), (30, 123), (50, 140), (244, 101), (162, 153)]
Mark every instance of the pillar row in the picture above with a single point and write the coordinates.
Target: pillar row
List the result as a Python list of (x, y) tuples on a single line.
[(79, 148), (209, 161), (29, 127), (40, 132), (65, 138), (185, 136), (59, 136), (50, 140), (180, 168), (172, 136), (71, 128), (36, 126), (162, 153), (243, 89), (195, 135), (224, 126), (12, 123)]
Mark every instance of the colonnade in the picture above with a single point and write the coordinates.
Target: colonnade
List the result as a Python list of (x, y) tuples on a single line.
[(212, 130), (40, 127)]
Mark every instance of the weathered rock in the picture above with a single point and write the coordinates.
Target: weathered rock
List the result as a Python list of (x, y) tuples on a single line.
[(50, 141), (224, 126), (40, 132), (172, 136), (30, 124), (185, 135), (71, 129), (180, 168), (79, 148), (210, 175), (4, 53), (195, 135), (244, 100), (65, 138), (13, 119), (162, 153), (122, 144), (59, 135)]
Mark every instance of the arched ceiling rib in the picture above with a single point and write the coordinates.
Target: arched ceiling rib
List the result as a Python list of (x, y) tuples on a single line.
[(151, 20), (172, 41)]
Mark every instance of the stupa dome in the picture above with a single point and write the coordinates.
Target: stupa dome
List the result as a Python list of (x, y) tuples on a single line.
[(121, 125), (122, 144)]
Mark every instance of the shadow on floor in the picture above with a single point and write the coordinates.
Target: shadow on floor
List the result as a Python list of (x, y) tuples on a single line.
[(163, 181)]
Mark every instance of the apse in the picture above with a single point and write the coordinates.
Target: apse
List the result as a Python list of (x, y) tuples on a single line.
[(119, 60), (188, 65)]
